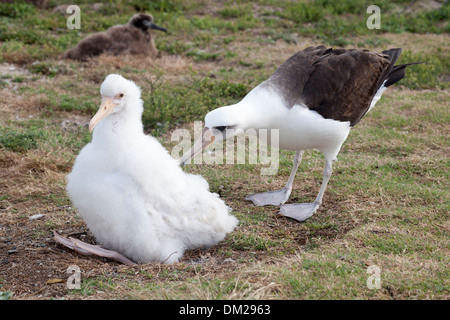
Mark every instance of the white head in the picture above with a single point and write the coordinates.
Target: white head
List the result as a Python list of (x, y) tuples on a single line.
[(225, 122), (254, 111), (220, 124), (229, 121), (118, 95)]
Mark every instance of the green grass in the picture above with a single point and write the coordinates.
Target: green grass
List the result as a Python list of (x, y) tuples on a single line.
[(20, 140), (427, 74), (168, 107), (5, 295), (323, 20)]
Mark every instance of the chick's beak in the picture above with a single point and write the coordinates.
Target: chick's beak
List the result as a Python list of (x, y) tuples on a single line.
[(205, 140), (106, 107), (151, 25), (156, 27)]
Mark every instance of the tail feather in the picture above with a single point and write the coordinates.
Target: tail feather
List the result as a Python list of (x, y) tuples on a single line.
[(392, 74), (397, 73), (393, 55)]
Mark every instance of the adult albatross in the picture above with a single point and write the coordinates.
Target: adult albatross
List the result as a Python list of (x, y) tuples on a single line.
[(314, 98), (133, 195)]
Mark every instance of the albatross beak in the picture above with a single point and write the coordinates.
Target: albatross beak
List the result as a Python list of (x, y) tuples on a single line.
[(106, 108), (205, 140)]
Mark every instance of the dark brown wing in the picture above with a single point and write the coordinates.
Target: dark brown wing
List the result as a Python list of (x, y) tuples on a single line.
[(343, 84), (90, 46), (339, 84), (291, 77)]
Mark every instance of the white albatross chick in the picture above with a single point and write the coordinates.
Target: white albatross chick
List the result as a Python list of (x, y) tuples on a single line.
[(133, 196)]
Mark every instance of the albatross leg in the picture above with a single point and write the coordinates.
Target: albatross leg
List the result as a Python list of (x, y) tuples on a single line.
[(89, 249), (278, 197), (302, 211)]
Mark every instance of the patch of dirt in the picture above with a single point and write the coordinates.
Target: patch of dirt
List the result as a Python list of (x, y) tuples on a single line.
[(424, 5), (8, 70)]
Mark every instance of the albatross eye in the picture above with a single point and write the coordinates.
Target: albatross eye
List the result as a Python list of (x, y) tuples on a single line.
[(220, 128), (121, 95)]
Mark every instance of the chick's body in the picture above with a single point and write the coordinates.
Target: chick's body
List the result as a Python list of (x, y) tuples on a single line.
[(137, 200), (132, 38)]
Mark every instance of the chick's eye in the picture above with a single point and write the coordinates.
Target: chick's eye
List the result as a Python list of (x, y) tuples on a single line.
[(121, 95)]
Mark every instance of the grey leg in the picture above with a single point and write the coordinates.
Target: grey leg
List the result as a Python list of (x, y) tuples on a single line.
[(89, 249), (278, 197), (302, 211)]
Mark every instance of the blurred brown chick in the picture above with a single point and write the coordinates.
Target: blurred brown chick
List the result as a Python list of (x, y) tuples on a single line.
[(132, 38)]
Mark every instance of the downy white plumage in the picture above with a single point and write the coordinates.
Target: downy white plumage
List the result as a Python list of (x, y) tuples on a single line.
[(133, 195)]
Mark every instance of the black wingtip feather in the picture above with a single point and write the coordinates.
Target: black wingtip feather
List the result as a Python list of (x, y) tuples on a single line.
[(393, 54), (397, 73)]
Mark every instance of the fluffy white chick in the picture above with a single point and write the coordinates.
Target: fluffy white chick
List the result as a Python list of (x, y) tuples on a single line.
[(133, 195)]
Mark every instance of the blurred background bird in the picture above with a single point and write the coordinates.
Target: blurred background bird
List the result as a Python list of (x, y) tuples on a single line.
[(132, 38)]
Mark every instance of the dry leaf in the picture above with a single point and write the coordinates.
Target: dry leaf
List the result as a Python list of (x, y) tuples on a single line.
[(54, 280)]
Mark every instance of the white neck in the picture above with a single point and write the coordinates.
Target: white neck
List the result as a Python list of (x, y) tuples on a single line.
[(119, 127)]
